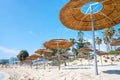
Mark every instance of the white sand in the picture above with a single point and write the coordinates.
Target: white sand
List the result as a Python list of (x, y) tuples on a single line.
[(3, 76), (74, 71)]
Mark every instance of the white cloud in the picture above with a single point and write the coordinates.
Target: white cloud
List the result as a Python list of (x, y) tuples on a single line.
[(103, 47), (96, 33), (32, 33), (8, 50), (87, 36)]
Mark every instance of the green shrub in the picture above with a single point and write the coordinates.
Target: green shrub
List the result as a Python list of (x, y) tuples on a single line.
[(113, 52)]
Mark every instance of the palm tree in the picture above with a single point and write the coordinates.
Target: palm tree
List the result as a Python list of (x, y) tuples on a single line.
[(118, 34), (80, 35), (98, 42), (72, 40), (87, 44), (119, 30), (111, 33), (108, 36), (106, 41), (78, 43)]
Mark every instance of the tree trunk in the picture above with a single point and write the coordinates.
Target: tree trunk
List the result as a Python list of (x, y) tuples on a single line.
[(65, 63), (108, 48), (101, 60), (99, 47)]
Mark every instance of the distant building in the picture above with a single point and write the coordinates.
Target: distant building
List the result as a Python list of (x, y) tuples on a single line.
[(4, 61), (13, 60)]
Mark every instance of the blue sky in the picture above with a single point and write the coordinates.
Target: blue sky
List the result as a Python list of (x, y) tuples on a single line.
[(27, 24)]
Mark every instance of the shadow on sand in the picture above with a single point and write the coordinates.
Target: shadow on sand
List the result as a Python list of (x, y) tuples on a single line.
[(112, 72), (76, 68)]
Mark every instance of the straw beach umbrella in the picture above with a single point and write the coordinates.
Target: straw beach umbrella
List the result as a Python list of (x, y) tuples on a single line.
[(68, 54), (58, 44), (73, 16), (89, 15), (115, 43), (56, 58), (44, 52), (118, 49), (26, 61), (34, 56), (85, 50), (100, 53)]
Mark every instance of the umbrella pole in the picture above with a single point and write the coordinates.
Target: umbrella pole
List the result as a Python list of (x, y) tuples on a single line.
[(44, 66), (101, 60), (93, 33), (44, 61), (88, 59), (58, 55), (59, 61)]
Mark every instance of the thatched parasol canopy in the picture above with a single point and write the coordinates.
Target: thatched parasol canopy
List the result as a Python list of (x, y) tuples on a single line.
[(101, 53), (115, 43), (44, 51), (67, 55), (85, 50), (56, 58), (118, 49), (34, 56), (27, 60), (58, 43), (72, 17)]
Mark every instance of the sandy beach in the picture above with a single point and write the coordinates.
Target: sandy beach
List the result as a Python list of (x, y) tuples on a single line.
[(60, 40), (4, 76), (74, 71)]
